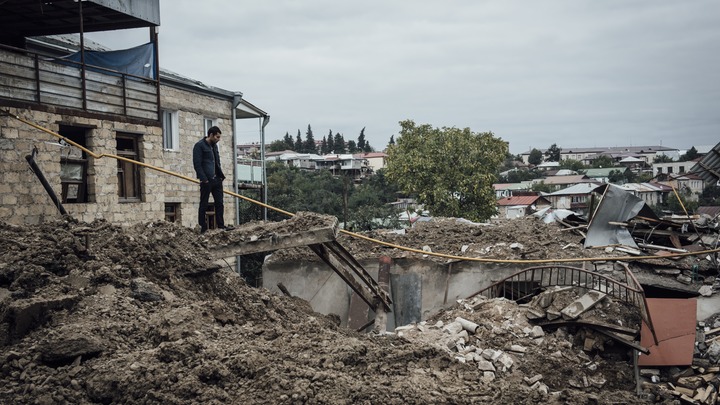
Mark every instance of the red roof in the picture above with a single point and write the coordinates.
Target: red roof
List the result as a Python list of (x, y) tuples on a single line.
[(518, 200)]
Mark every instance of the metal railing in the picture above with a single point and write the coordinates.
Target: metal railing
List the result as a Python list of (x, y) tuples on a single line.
[(34, 78), (526, 283)]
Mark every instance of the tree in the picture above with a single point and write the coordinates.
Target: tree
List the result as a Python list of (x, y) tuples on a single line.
[(298, 147), (691, 154), (369, 204), (289, 144), (535, 157), (603, 161), (392, 141), (361, 139), (330, 143), (710, 196), (553, 153), (572, 164), (662, 159), (339, 142), (277, 146), (450, 170), (323, 146), (352, 147), (542, 187), (309, 144), (616, 176)]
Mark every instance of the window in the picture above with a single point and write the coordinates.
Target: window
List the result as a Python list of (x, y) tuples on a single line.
[(128, 173), (682, 169), (73, 166), (172, 212), (209, 122), (670, 169), (171, 136)]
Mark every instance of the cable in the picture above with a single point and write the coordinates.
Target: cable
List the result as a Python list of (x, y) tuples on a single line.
[(352, 234)]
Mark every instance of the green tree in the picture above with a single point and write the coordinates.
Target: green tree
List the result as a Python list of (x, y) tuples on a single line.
[(535, 157), (450, 170), (361, 140), (369, 204), (603, 161), (616, 176), (553, 153), (277, 146), (392, 141), (298, 147), (662, 159), (691, 154), (309, 144), (339, 142), (323, 146), (542, 187), (572, 164), (330, 143), (352, 147), (289, 144)]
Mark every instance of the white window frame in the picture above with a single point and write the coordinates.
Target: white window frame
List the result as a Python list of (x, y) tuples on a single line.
[(208, 123), (171, 141)]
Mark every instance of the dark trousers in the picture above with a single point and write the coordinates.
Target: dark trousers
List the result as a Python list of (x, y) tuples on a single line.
[(213, 187)]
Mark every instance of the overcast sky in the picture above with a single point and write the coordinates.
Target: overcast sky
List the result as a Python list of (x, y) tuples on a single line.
[(578, 73)]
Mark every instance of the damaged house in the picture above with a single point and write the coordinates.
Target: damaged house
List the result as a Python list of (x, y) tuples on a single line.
[(114, 103)]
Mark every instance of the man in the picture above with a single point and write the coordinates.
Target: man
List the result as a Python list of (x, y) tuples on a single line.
[(206, 161)]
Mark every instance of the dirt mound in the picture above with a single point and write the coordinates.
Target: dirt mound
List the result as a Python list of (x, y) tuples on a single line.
[(94, 313)]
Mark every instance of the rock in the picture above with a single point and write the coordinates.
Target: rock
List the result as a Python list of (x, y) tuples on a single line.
[(485, 365), (516, 246), (143, 290), (649, 372), (706, 290), (533, 380), (582, 304), (537, 332), (453, 328), (65, 349)]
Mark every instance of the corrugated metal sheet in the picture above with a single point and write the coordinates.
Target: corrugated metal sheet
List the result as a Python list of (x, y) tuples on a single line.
[(708, 168), (519, 200), (674, 321)]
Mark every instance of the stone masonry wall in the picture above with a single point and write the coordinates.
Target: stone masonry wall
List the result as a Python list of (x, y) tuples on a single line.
[(23, 200)]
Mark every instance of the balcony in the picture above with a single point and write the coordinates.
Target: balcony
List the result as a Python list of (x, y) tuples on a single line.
[(33, 80)]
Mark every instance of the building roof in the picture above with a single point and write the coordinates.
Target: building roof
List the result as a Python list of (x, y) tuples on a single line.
[(645, 187), (512, 186), (603, 171), (578, 178), (708, 168), (612, 149), (374, 155), (631, 159), (710, 211), (578, 189), (521, 200)]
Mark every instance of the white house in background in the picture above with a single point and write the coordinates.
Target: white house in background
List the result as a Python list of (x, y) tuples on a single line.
[(651, 193), (587, 155), (674, 167), (507, 189), (376, 160)]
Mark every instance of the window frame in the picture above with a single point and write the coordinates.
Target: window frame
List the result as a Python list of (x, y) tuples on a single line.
[(129, 191), (171, 141), (208, 123), (71, 155)]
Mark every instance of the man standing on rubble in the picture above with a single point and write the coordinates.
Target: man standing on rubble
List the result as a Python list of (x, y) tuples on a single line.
[(206, 161)]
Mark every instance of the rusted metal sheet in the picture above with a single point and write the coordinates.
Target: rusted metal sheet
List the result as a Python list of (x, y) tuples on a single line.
[(674, 322)]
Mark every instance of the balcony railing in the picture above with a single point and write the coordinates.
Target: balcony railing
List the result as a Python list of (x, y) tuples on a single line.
[(29, 77)]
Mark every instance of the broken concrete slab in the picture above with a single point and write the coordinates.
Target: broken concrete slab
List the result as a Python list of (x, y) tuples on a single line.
[(582, 304)]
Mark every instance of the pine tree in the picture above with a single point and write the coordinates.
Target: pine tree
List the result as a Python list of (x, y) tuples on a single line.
[(309, 146), (298, 143), (330, 143), (339, 142), (289, 144), (392, 140), (324, 146), (352, 147), (361, 140)]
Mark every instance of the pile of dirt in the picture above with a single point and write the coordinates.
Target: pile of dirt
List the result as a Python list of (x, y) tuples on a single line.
[(95, 313)]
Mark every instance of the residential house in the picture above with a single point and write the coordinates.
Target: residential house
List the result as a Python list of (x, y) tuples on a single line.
[(587, 155), (354, 166), (559, 182), (145, 114), (577, 198), (673, 167), (652, 193), (507, 189), (602, 175), (376, 160), (520, 206), (688, 185)]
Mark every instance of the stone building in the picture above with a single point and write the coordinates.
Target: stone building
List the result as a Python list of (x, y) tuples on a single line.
[(153, 118)]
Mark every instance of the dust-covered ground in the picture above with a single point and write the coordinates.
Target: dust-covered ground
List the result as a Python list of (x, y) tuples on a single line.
[(95, 313)]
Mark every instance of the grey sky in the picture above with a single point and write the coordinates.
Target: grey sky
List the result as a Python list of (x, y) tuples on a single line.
[(572, 72)]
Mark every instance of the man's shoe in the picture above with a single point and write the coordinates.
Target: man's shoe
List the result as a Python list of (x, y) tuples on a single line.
[(228, 228)]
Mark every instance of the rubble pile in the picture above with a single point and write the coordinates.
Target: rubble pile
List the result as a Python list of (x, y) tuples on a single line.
[(95, 313)]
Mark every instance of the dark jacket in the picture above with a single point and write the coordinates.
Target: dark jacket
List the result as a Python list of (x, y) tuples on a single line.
[(204, 158)]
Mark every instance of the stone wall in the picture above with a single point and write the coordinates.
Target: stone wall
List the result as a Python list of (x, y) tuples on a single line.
[(23, 200)]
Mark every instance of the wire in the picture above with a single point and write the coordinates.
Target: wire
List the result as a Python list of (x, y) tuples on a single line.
[(355, 235)]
